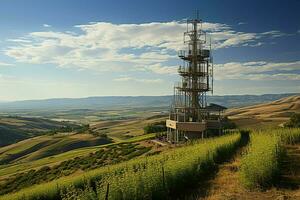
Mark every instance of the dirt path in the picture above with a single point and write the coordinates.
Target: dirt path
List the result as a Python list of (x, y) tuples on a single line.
[(226, 185)]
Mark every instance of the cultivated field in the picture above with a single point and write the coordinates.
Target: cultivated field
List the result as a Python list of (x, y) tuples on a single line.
[(14, 128), (265, 115), (156, 176), (114, 158)]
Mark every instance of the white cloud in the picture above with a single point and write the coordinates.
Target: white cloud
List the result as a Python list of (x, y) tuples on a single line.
[(258, 70), (46, 25), (132, 79), (4, 64), (19, 40), (257, 44), (160, 69), (104, 46), (274, 33)]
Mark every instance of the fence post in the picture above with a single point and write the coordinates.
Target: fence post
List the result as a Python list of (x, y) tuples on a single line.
[(163, 177), (107, 192), (57, 189)]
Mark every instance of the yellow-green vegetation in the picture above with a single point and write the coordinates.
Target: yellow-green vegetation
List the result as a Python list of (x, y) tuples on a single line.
[(105, 156), (120, 130), (6, 170), (156, 127), (47, 145), (294, 121), (14, 128), (153, 177), (260, 166), (50, 150)]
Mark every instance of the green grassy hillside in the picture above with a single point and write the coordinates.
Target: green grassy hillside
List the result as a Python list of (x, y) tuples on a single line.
[(46, 146), (173, 174), (14, 129), (157, 175), (50, 150), (120, 130), (27, 163), (104, 156)]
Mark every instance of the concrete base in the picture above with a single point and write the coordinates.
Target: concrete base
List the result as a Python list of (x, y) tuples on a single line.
[(178, 131), (186, 126)]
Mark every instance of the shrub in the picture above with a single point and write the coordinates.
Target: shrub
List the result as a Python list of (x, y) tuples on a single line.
[(294, 121), (155, 127), (228, 124)]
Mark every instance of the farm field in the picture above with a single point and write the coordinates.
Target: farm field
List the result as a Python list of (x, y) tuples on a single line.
[(104, 156), (15, 128), (229, 182), (46, 146), (139, 171), (227, 179), (52, 149), (125, 129), (217, 168), (266, 115), (149, 100), (65, 157), (25, 165)]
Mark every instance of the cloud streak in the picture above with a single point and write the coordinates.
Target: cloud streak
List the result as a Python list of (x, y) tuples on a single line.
[(106, 46), (46, 25), (258, 70), (132, 79), (4, 64)]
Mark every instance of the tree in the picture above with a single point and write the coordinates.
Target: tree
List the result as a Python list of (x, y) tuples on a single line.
[(294, 121), (155, 127), (228, 124)]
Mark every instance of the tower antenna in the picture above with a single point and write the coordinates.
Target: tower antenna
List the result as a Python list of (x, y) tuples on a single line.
[(190, 116)]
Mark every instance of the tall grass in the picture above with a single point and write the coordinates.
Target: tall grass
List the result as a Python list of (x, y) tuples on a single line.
[(260, 166), (153, 177)]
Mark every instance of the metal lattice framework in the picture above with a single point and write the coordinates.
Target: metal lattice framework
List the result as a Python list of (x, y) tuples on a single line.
[(196, 76), (190, 116)]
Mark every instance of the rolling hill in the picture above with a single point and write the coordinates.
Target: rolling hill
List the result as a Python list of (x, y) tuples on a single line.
[(14, 128), (47, 145), (266, 114), (52, 149)]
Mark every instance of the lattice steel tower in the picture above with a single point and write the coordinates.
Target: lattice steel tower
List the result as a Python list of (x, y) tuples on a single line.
[(189, 111)]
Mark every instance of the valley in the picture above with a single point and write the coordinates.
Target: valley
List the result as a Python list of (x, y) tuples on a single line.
[(55, 154)]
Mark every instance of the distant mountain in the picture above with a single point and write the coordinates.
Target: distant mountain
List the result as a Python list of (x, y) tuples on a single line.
[(131, 101)]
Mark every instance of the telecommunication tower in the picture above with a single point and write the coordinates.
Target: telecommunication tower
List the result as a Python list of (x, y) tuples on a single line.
[(190, 116)]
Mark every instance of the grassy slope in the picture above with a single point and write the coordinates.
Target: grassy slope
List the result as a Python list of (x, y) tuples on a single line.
[(9, 169), (197, 155), (14, 129), (44, 146), (48, 150), (104, 156), (227, 182), (261, 165), (265, 115), (124, 129)]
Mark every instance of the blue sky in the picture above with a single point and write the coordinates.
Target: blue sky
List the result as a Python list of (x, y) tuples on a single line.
[(79, 48)]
